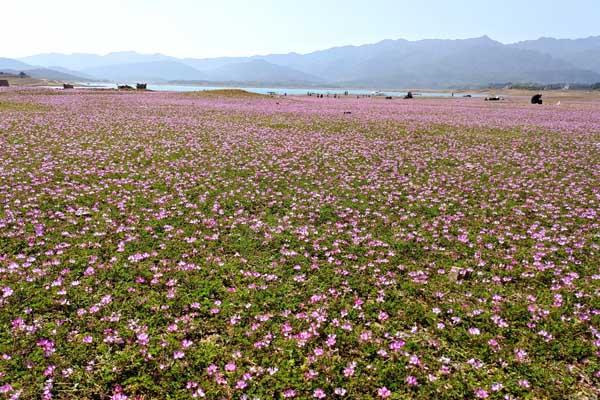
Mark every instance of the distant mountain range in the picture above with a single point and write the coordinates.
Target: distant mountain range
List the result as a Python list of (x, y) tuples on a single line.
[(430, 63)]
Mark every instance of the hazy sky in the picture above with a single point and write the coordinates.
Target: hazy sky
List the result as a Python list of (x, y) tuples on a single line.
[(200, 28)]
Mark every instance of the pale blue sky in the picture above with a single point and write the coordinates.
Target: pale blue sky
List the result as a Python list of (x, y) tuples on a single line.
[(200, 28)]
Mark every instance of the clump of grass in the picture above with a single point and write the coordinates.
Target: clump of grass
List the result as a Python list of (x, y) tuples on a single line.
[(230, 93), (14, 106)]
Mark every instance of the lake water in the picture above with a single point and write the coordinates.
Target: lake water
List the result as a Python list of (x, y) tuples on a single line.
[(279, 91)]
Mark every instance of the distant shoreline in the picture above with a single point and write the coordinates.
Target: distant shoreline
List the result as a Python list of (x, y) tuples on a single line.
[(289, 90)]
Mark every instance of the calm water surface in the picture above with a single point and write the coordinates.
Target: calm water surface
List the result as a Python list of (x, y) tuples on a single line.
[(278, 91)]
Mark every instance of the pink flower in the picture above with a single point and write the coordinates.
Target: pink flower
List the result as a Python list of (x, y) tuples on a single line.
[(241, 384), (474, 331), (118, 394), (520, 355), (411, 381), (397, 345), (331, 339), (211, 369), (230, 367), (49, 371), (349, 370), (414, 360), (319, 394), (365, 336), (7, 292), (524, 383), (6, 388), (384, 392), (143, 338), (46, 345), (496, 387)]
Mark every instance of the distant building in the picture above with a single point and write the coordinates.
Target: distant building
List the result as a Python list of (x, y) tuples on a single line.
[(67, 86)]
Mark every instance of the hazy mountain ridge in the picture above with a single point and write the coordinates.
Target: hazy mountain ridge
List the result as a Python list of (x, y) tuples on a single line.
[(8, 65), (560, 48), (83, 61), (583, 53), (259, 70), (388, 63), (154, 71)]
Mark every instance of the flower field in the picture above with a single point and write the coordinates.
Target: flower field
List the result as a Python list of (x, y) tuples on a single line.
[(179, 246)]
